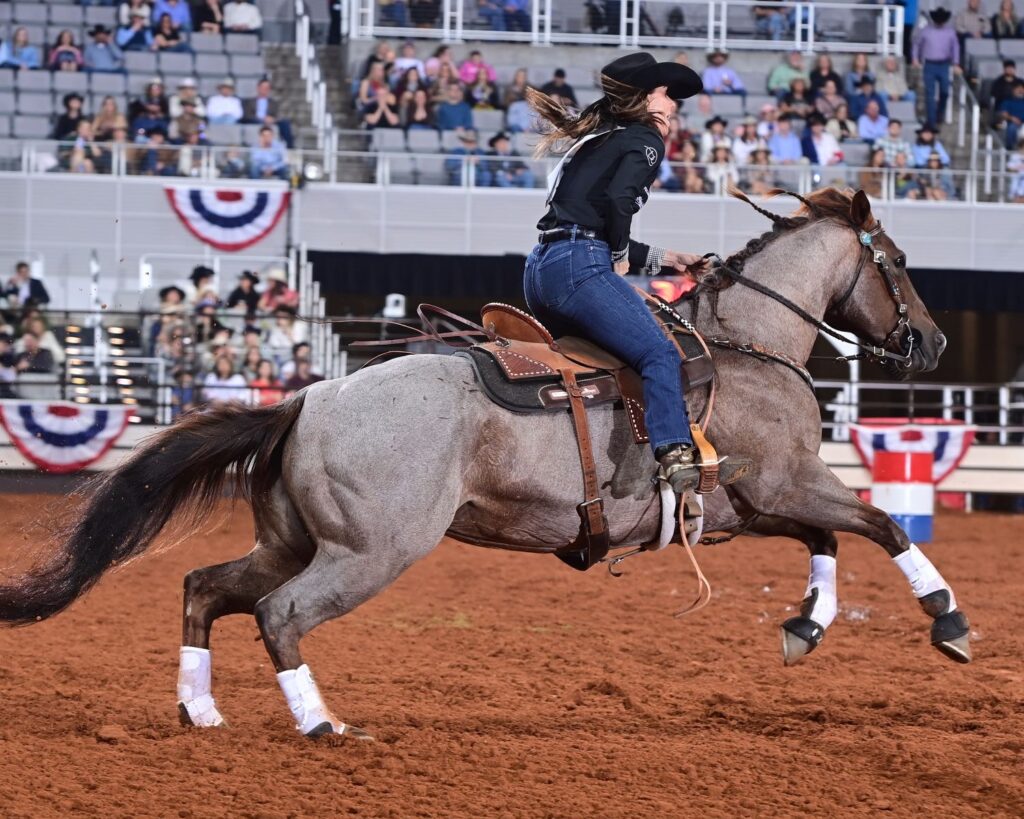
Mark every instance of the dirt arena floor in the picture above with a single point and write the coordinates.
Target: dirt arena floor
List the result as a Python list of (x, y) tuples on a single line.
[(508, 685)]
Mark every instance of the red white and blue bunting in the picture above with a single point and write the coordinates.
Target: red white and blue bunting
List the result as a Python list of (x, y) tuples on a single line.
[(229, 220), (947, 442), (63, 437)]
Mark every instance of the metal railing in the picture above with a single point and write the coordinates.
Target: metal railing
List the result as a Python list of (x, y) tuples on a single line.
[(727, 24), (309, 70)]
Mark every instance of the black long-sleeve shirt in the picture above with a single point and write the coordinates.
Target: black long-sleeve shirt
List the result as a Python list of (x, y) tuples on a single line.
[(604, 184)]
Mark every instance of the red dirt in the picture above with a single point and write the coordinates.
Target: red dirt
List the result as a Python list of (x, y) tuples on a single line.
[(500, 684)]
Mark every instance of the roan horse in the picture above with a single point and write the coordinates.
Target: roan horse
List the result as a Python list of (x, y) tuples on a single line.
[(352, 481)]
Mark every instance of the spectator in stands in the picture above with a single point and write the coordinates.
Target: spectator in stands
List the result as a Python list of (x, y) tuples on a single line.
[(186, 94), (893, 143), (1005, 22), (468, 151), (277, 293), (151, 110), (424, 13), (85, 155), (33, 358), (408, 84), (285, 334), (224, 385), (300, 350), (18, 52), (137, 35), (677, 136), (65, 55), (419, 112), (166, 37), (517, 17), (178, 10), (866, 94), (442, 56), (405, 61), (101, 55), (721, 170), (108, 119), (841, 126), (937, 47), (746, 141), (454, 114), (892, 82), (870, 179), (936, 184), (927, 141), (519, 118), (823, 71), (820, 147), (714, 133), (244, 295), (468, 70), (784, 146), (201, 284), (382, 53), (184, 394), (1015, 164), (859, 71), (718, 78), (482, 94), (124, 11), (263, 110), (303, 376), (208, 17), (758, 177), (394, 12), (36, 325), (972, 24), (770, 20), (268, 159), (7, 372), (872, 124), (251, 357), (828, 99), (266, 388), (559, 89), (157, 158), (187, 124), (446, 78), (692, 178), (779, 81), (516, 89), (21, 289), (67, 123), (1002, 86), (1011, 112), (507, 168), (905, 183), (224, 107), (798, 100), (172, 301), (375, 101), (242, 17)]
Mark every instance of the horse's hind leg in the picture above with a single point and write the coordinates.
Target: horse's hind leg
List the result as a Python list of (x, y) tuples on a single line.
[(813, 495), (213, 592), (802, 634)]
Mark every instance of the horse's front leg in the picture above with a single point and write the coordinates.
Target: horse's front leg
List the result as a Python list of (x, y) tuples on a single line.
[(804, 489)]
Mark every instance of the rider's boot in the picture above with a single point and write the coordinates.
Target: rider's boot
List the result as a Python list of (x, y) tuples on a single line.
[(680, 466)]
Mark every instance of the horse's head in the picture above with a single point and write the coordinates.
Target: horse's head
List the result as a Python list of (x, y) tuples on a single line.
[(880, 305)]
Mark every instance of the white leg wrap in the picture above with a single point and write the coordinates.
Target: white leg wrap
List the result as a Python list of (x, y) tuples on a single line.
[(194, 686), (923, 577), (823, 578), (304, 700)]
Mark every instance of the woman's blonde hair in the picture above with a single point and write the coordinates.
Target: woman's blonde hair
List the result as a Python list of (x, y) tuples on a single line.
[(621, 103)]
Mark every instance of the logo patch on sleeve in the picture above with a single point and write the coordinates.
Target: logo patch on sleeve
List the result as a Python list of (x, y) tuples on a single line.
[(652, 155)]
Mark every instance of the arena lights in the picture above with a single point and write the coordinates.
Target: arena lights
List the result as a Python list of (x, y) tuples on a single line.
[(79, 381), (82, 390), (76, 371), (82, 399), (121, 371), (115, 330), (73, 328), (134, 419), (120, 362), (125, 382), (73, 339)]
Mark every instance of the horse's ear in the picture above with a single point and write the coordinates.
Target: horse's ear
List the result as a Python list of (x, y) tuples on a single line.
[(860, 210)]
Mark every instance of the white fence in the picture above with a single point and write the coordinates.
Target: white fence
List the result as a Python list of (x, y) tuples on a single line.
[(727, 24)]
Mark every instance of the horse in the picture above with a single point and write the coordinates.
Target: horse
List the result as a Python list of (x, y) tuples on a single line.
[(351, 481)]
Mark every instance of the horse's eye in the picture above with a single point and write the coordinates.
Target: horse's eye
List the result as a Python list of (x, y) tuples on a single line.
[(900, 261)]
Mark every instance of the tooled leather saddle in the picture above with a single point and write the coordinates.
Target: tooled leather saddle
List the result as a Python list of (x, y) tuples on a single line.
[(524, 369)]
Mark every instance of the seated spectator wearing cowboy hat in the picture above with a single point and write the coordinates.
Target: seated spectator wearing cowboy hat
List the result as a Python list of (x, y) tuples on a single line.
[(277, 293), (224, 107), (718, 78), (102, 55), (472, 150), (746, 141), (927, 142), (136, 35), (714, 132), (202, 284), (186, 92), (866, 93), (507, 170), (244, 295)]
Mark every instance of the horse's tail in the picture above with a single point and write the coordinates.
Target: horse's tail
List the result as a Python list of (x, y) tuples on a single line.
[(183, 468)]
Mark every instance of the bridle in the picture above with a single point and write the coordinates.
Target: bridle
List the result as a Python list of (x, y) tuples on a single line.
[(901, 335)]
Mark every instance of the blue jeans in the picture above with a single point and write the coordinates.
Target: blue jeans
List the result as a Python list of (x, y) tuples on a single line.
[(1012, 130), (935, 74), (771, 25), (571, 287)]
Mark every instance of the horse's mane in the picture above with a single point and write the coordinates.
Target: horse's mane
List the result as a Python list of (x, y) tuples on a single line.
[(820, 205)]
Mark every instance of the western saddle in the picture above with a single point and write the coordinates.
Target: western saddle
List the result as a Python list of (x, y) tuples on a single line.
[(523, 368)]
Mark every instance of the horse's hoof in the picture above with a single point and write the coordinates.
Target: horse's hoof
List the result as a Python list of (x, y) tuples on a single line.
[(186, 719), (326, 728), (951, 634), (800, 636)]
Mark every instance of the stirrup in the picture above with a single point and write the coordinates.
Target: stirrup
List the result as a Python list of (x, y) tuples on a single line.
[(678, 467)]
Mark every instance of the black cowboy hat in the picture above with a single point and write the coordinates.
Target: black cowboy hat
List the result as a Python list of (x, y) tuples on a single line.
[(498, 136), (248, 274), (815, 118), (99, 28), (724, 123), (926, 128), (642, 71), (166, 291), (201, 271), (74, 95), (940, 15)]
